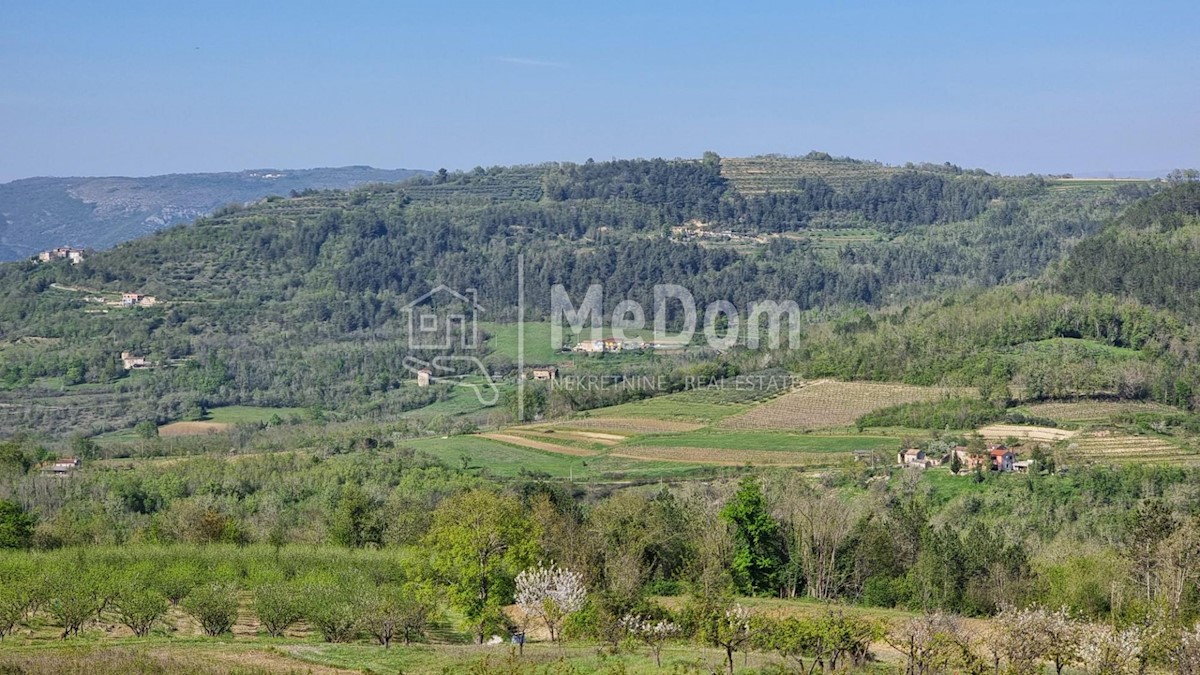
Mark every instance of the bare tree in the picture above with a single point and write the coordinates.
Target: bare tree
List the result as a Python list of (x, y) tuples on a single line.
[(817, 523)]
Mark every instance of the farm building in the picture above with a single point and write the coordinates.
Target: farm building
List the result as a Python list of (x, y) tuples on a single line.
[(62, 466), (995, 458), (915, 458), (131, 362), (424, 376), (608, 344), (545, 374), (138, 300)]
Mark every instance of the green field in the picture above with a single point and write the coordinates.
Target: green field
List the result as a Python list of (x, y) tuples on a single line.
[(245, 414), (767, 440), (538, 348), (507, 461), (673, 407)]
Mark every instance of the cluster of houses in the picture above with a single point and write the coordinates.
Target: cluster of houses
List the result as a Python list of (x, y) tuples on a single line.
[(699, 230), (537, 373), (996, 457), (75, 255), (608, 344)]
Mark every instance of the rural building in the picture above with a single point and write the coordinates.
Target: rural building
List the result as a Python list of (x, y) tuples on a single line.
[(62, 467), (424, 376), (995, 458), (545, 374), (131, 362), (915, 458), (1002, 458), (608, 344), (138, 300), (75, 255), (1023, 466)]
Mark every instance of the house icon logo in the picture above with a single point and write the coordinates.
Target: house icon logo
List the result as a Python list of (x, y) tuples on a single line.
[(444, 319)]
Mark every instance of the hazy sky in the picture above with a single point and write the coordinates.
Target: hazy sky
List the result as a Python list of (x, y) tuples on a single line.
[(135, 88)]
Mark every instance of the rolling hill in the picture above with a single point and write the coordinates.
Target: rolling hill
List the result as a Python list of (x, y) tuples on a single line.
[(40, 213), (297, 301)]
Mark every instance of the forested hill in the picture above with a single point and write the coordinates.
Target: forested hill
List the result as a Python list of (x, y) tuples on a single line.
[(297, 300), (1152, 253), (41, 213)]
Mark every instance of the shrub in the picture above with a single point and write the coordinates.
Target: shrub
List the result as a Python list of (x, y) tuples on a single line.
[(139, 607), (73, 601), (14, 602), (334, 607), (277, 607), (214, 605), (176, 580)]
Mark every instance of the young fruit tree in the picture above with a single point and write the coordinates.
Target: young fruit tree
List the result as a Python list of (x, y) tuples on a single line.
[(550, 593), (650, 632), (730, 628)]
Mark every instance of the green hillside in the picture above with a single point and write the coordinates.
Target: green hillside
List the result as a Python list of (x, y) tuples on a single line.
[(42, 213), (298, 301)]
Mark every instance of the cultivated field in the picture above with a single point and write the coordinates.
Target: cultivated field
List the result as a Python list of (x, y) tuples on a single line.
[(755, 175), (624, 426), (826, 403), (999, 432), (527, 442), (1112, 447), (192, 428), (1094, 411)]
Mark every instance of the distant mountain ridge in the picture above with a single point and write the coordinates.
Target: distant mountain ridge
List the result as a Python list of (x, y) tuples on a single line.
[(41, 213)]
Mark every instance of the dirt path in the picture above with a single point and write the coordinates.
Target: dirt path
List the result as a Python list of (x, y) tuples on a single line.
[(540, 445)]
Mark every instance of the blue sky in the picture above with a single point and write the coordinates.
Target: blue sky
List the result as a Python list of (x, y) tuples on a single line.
[(137, 88)]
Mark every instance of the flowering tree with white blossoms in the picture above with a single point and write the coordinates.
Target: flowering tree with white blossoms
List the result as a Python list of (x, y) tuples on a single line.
[(1108, 651), (1186, 656), (652, 633), (550, 593)]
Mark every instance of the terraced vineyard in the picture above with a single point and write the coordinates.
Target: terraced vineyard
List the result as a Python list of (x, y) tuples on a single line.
[(627, 425), (756, 175), (1112, 447), (1094, 411), (826, 403), (999, 432)]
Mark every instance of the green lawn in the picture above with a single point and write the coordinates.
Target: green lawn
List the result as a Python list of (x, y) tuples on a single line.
[(500, 459), (673, 408), (767, 440), (507, 461), (241, 414), (461, 401), (538, 348)]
